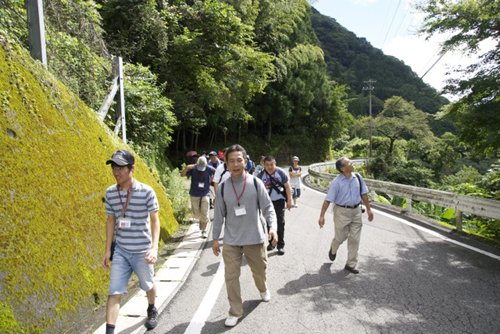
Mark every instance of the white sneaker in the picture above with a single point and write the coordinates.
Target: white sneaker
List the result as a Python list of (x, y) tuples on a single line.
[(204, 234), (266, 295), (231, 321)]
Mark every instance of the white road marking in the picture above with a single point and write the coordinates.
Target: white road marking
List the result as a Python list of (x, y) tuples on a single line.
[(208, 302), (496, 257)]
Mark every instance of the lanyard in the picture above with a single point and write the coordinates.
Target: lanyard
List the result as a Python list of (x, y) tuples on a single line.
[(119, 195), (244, 186)]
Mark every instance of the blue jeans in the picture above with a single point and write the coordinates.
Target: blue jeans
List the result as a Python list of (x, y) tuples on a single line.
[(296, 193), (124, 263)]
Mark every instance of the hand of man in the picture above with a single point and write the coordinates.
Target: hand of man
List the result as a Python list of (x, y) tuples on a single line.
[(105, 260), (370, 215), (216, 247), (151, 256), (321, 222), (273, 237), (289, 205)]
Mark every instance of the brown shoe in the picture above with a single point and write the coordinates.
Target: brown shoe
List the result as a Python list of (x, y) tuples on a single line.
[(332, 256), (351, 269)]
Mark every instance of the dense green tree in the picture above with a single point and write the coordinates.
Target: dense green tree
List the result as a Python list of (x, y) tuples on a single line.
[(136, 31), (470, 22), (149, 115), (214, 65), (399, 120)]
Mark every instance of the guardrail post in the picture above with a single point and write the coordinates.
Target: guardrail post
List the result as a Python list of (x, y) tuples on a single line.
[(459, 220), (408, 204)]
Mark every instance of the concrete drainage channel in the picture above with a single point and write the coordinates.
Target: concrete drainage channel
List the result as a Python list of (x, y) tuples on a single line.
[(169, 279)]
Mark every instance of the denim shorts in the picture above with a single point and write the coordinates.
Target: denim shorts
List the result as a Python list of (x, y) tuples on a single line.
[(296, 193), (124, 263)]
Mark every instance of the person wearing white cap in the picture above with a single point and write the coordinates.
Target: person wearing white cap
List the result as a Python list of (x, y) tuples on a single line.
[(295, 173), (201, 176)]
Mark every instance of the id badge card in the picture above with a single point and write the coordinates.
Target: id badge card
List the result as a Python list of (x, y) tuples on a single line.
[(240, 210), (201, 184), (124, 222)]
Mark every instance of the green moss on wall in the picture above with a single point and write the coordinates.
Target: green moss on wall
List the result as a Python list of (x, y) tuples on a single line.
[(52, 181)]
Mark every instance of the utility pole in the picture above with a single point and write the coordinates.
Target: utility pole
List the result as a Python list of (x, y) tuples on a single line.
[(369, 89), (36, 30)]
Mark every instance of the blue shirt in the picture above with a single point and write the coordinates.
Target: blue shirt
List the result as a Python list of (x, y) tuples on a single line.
[(279, 175), (344, 191), (211, 164), (200, 178)]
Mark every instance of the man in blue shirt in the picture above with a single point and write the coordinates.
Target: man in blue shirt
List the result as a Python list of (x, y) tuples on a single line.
[(201, 176), (276, 181), (214, 161), (347, 191)]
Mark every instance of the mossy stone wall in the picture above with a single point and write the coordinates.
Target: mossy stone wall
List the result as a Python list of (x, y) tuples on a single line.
[(53, 178)]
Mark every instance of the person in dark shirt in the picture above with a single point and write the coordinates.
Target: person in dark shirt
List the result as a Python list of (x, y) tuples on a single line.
[(201, 176)]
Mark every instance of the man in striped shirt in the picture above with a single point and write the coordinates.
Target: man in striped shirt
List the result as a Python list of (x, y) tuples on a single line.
[(132, 209)]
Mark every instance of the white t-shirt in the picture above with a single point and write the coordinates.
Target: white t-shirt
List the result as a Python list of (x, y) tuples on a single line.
[(221, 171), (295, 181)]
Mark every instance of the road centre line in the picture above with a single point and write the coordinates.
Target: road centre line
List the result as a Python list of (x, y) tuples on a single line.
[(496, 257), (203, 312)]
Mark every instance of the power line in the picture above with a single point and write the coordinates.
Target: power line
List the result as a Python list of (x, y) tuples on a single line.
[(388, 30)]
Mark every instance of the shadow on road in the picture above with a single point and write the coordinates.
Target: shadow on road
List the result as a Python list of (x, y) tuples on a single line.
[(429, 287)]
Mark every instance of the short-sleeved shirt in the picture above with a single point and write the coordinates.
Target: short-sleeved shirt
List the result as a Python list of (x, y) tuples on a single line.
[(200, 181), (344, 191), (222, 173), (279, 175), (136, 238)]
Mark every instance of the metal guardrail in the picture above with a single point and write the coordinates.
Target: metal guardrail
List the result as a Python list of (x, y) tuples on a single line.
[(461, 203)]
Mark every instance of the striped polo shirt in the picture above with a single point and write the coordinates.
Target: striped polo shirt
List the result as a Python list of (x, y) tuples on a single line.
[(137, 238)]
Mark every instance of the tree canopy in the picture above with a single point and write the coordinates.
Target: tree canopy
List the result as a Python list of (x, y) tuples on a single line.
[(469, 23)]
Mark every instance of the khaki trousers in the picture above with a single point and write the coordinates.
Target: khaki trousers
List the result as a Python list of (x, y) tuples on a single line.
[(256, 257), (200, 206), (348, 224)]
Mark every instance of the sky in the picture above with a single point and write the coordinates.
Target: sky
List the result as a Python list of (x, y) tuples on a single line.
[(391, 25)]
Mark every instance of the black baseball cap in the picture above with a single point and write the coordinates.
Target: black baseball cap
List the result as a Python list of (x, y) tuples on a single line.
[(122, 158)]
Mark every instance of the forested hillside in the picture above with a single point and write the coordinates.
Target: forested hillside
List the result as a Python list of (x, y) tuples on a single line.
[(351, 60)]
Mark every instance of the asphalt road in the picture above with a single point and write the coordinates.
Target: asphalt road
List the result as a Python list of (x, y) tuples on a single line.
[(411, 281)]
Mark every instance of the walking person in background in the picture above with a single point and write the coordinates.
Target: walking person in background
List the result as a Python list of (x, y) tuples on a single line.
[(201, 176), (260, 166), (132, 209), (250, 166), (222, 173), (295, 172), (347, 191), (239, 202), (276, 181), (214, 161)]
